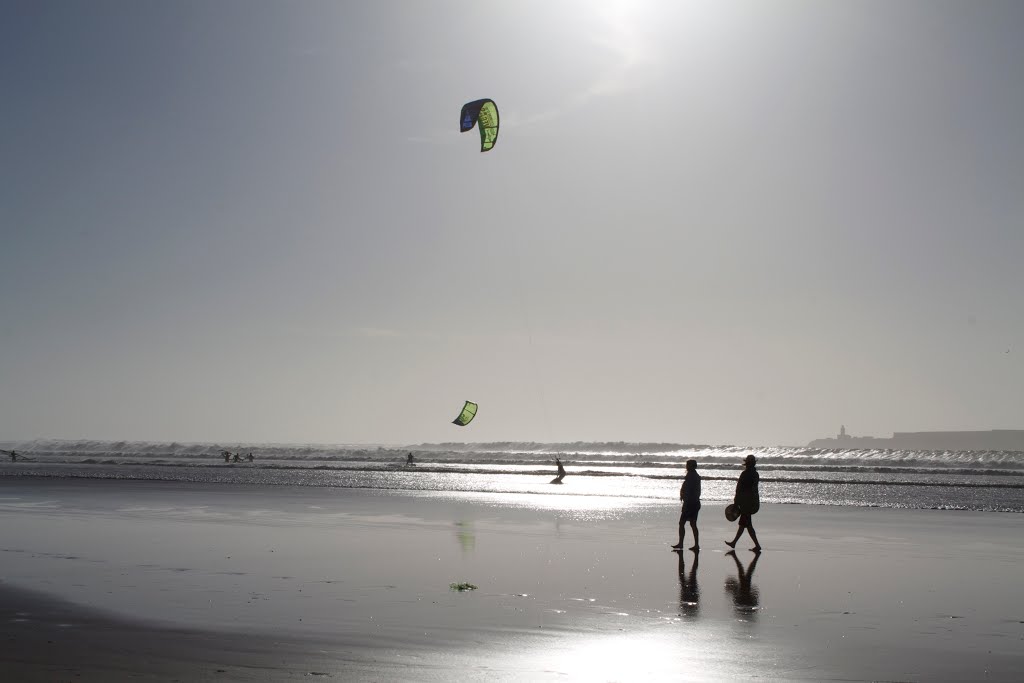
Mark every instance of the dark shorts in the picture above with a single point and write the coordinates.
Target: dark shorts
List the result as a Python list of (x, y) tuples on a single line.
[(689, 512), (744, 520)]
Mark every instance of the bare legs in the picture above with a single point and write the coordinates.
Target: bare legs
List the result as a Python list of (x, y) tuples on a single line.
[(682, 536), (753, 536)]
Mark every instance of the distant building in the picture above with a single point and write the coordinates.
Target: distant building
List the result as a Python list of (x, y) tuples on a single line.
[(992, 440)]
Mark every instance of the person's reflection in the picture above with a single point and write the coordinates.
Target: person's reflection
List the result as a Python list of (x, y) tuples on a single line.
[(467, 538), (745, 596), (689, 591)]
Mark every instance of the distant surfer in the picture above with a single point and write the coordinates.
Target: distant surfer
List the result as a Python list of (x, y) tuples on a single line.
[(561, 472), (409, 460), (227, 456), (747, 501), (251, 458), (15, 457), (689, 494)]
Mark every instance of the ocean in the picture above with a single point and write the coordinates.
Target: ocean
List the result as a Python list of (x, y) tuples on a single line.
[(646, 472)]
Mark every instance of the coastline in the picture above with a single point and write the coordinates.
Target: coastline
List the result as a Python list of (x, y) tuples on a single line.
[(167, 581), (993, 440)]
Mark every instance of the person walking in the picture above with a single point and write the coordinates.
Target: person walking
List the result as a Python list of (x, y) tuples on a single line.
[(747, 501), (689, 494)]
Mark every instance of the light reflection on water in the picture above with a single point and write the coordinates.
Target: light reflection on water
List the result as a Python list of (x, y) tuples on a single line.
[(673, 653), (847, 488), (582, 507)]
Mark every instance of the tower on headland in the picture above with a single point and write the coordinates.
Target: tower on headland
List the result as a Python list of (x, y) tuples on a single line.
[(991, 440)]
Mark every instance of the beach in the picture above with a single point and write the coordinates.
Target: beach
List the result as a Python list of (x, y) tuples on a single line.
[(130, 580), (302, 381)]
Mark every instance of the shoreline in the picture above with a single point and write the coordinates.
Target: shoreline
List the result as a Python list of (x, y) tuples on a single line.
[(171, 581), (865, 494)]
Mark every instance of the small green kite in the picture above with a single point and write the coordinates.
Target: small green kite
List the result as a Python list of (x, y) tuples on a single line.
[(467, 414), (484, 115)]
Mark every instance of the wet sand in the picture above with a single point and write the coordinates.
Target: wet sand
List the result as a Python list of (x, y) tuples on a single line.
[(111, 580)]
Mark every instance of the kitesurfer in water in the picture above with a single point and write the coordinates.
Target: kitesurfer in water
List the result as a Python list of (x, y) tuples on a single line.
[(748, 501), (689, 494), (409, 459), (561, 472)]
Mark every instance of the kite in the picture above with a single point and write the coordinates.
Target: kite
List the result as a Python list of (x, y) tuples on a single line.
[(467, 414), (484, 115)]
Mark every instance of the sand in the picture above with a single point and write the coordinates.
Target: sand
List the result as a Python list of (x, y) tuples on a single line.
[(111, 580)]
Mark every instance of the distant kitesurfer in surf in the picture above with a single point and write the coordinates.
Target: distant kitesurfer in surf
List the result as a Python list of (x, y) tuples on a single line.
[(561, 472), (14, 457), (747, 501), (237, 458), (409, 459), (227, 456), (689, 494), (251, 458)]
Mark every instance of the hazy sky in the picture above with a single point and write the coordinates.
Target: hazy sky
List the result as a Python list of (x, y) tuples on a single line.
[(713, 222)]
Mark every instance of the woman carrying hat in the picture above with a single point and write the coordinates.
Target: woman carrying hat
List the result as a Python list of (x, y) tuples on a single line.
[(747, 501)]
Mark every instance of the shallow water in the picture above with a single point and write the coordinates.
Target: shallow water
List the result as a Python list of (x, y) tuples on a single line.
[(990, 481)]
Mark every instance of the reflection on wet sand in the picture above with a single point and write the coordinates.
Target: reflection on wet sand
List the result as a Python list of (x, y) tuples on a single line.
[(689, 591), (467, 537), (746, 599)]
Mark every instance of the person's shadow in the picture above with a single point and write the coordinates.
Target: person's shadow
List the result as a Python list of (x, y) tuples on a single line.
[(746, 599), (689, 591)]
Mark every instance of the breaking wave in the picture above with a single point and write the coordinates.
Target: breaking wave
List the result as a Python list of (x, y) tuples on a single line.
[(977, 480)]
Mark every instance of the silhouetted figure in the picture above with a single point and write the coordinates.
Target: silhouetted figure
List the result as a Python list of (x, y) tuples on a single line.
[(14, 457), (748, 502), (745, 597), (227, 456), (561, 473), (689, 494), (237, 458), (409, 459), (689, 591), (251, 458)]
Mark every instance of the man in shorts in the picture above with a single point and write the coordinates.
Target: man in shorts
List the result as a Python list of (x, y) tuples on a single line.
[(689, 494)]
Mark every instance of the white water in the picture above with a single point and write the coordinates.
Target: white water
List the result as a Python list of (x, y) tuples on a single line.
[(977, 480)]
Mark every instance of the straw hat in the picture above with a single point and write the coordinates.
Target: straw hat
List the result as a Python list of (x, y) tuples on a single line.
[(732, 513)]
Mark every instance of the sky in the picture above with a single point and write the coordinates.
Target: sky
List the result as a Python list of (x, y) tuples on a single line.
[(703, 222)]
